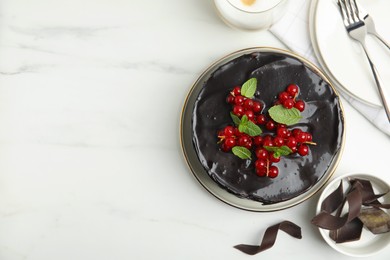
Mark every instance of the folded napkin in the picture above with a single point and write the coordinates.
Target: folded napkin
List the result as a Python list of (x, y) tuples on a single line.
[(293, 30)]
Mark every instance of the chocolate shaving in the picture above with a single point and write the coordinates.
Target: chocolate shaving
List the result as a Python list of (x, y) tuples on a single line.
[(348, 227), (369, 197), (351, 231), (326, 220), (269, 237), (333, 200)]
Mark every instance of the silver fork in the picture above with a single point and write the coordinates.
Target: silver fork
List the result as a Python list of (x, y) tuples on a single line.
[(357, 30), (371, 29)]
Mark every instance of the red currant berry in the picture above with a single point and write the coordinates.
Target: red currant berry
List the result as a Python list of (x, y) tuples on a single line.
[(301, 137), (238, 110), (245, 140), (267, 138), (237, 132), (288, 103), (256, 107), (268, 143), (282, 132), (258, 140), (261, 153), (248, 104), (283, 96), (250, 114), (303, 150), (291, 142), (309, 137), (239, 100), (300, 105), (261, 172), (278, 141), (249, 144), (274, 159), (259, 164), (230, 142), (270, 125), (273, 171), (228, 130), (292, 89), (236, 91), (296, 132), (261, 119), (230, 99)]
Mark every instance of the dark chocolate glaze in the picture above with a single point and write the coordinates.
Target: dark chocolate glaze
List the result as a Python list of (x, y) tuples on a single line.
[(322, 117)]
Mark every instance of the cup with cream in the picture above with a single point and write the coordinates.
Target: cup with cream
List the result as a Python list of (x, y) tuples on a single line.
[(250, 14)]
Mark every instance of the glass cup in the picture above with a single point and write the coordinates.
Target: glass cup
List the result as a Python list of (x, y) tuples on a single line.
[(251, 14)]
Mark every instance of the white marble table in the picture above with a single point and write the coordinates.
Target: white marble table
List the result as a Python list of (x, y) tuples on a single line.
[(90, 162)]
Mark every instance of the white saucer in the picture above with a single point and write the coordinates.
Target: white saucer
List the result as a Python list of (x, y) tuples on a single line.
[(343, 58)]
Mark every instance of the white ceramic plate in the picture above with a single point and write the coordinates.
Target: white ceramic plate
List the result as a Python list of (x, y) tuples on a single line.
[(313, 39), (369, 244), (343, 57)]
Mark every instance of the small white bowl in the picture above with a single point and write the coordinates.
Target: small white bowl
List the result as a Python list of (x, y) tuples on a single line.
[(369, 244)]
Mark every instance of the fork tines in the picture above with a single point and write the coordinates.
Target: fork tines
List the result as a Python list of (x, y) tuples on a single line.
[(350, 14)]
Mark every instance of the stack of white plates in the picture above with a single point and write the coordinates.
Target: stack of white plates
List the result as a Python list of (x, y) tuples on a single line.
[(342, 58)]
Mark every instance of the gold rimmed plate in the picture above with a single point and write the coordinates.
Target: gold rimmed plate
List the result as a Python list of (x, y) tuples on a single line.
[(299, 178)]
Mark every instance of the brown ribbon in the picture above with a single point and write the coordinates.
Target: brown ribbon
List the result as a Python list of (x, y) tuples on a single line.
[(269, 237)]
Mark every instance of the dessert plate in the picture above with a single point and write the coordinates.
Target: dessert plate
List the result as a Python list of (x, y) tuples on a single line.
[(368, 244), (342, 57), (296, 180)]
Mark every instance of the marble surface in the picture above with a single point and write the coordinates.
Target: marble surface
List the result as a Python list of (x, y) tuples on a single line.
[(90, 162)]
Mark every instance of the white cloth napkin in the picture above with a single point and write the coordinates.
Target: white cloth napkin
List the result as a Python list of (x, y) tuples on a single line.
[(293, 30)]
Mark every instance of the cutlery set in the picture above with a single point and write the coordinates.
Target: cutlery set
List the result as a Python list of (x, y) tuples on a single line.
[(358, 24)]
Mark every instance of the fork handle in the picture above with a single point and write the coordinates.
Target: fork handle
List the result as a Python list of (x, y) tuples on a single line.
[(383, 95), (381, 39)]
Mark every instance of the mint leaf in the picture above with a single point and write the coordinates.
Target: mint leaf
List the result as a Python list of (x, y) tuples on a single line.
[(241, 152), (283, 115), (244, 119), (279, 151), (250, 128), (236, 119), (248, 89)]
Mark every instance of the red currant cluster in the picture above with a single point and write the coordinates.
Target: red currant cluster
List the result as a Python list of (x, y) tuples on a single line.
[(268, 147), (296, 140), (287, 98), (230, 137), (243, 105)]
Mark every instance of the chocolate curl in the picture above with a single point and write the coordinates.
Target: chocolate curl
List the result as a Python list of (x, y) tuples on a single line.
[(333, 200), (327, 221), (351, 231), (269, 237), (369, 198), (378, 205)]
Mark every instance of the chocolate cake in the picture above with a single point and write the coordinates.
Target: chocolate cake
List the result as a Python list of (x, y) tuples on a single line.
[(322, 117)]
